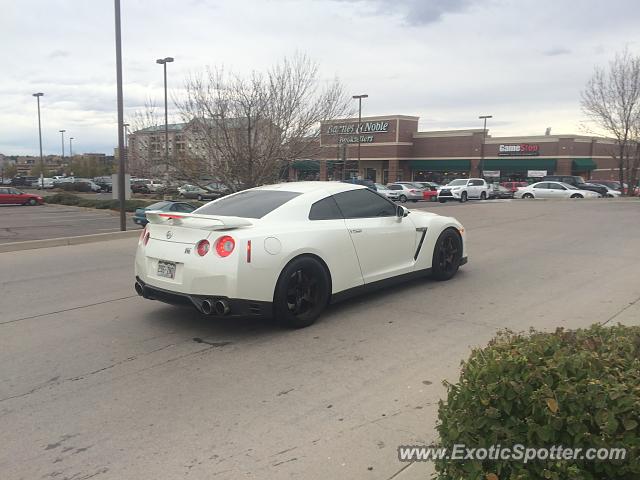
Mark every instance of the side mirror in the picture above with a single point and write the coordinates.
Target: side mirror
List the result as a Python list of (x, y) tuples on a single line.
[(401, 211)]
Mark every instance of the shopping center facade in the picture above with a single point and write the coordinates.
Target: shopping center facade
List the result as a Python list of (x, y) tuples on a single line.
[(392, 148)]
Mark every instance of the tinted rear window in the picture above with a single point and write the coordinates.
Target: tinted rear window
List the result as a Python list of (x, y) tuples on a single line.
[(248, 204)]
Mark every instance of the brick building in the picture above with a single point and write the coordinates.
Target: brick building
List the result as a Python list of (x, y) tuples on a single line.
[(392, 149)]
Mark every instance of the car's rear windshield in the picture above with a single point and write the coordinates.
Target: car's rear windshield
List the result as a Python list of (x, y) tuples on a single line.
[(158, 206), (248, 204)]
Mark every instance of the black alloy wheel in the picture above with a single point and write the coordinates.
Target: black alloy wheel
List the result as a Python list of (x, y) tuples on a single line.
[(447, 255), (403, 198), (302, 292)]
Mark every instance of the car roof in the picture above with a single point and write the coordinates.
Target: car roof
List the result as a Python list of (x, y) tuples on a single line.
[(310, 187)]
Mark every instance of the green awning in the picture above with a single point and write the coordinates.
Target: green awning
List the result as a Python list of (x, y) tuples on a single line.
[(306, 165), (582, 164), (441, 165), (520, 165)]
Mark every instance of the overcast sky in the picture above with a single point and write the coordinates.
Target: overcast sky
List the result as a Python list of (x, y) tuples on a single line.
[(447, 61)]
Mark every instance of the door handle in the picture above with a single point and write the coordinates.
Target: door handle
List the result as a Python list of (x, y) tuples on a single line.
[(355, 230)]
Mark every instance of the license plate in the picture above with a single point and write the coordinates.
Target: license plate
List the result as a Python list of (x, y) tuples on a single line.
[(166, 269)]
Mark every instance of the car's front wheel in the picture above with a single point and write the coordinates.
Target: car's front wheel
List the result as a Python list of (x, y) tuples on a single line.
[(527, 195), (32, 202), (447, 255), (576, 195), (483, 196), (463, 197), (402, 198), (302, 292)]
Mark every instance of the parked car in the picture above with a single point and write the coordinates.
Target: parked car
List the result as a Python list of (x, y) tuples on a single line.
[(513, 186), (105, 183), (23, 181), (199, 193), (140, 186), (554, 190), (45, 183), (611, 193), (498, 191), (140, 215), (383, 190), (406, 192), (463, 189), (578, 182), (429, 190), (612, 185), (13, 196), (313, 243), (156, 186)]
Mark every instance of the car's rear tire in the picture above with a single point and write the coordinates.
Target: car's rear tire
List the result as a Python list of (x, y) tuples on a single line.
[(576, 195), (483, 196), (402, 198), (527, 195), (463, 197), (447, 255), (302, 292)]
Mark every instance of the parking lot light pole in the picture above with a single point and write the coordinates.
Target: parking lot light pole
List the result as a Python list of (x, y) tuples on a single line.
[(62, 133), (484, 139), (71, 148), (359, 98), (120, 103), (38, 95), (163, 62), (126, 144)]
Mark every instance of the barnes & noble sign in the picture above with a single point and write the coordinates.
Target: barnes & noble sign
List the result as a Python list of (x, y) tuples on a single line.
[(348, 132)]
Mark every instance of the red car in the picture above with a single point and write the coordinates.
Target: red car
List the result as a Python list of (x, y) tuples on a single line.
[(513, 186), (429, 190), (11, 196)]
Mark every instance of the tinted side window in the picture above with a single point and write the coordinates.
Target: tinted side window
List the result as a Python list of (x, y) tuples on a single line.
[(248, 204), (543, 186), (476, 183), (325, 209), (395, 187), (364, 204)]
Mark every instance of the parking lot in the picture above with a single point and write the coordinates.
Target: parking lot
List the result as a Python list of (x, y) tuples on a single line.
[(97, 382), (20, 223)]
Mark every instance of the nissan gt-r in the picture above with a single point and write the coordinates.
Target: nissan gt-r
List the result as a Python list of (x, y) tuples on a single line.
[(288, 250)]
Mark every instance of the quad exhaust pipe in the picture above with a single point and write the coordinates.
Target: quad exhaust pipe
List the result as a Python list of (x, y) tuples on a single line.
[(216, 307)]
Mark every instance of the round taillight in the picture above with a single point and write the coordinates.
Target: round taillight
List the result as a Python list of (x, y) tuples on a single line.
[(145, 239), (225, 245), (202, 247)]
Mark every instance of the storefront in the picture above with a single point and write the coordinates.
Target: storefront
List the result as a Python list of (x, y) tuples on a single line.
[(392, 148)]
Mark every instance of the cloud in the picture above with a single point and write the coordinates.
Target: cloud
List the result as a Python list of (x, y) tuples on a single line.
[(417, 12), (556, 51), (58, 54)]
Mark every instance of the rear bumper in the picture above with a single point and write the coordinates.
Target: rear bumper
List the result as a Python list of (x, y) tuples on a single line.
[(238, 308)]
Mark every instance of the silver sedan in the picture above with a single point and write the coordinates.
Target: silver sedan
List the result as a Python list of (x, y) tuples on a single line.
[(553, 190), (406, 192)]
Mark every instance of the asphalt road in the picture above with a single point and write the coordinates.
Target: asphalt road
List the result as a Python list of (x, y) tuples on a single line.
[(20, 223), (98, 383)]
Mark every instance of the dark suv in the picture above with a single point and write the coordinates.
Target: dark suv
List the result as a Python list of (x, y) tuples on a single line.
[(577, 182)]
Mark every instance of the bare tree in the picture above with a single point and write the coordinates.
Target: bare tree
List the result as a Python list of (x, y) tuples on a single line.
[(143, 142), (611, 101), (244, 131)]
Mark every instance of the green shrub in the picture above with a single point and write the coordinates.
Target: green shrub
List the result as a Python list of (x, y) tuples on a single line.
[(572, 388), (65, 198)]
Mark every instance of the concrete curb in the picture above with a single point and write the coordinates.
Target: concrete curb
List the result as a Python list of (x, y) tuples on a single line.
[(65, 241)]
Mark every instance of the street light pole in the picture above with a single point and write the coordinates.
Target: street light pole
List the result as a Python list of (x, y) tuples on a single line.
[(38, 95), (120, 102), (359, 98), (71, 147), (62, 133), (484, 139), (126, 144), (163, 62)]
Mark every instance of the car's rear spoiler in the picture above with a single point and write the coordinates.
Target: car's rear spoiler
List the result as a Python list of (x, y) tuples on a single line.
[(203, 222)]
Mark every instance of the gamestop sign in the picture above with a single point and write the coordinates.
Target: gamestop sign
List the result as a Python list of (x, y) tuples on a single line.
[(519, 149)]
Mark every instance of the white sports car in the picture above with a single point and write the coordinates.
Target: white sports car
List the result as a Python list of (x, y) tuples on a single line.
[(288, 250)]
